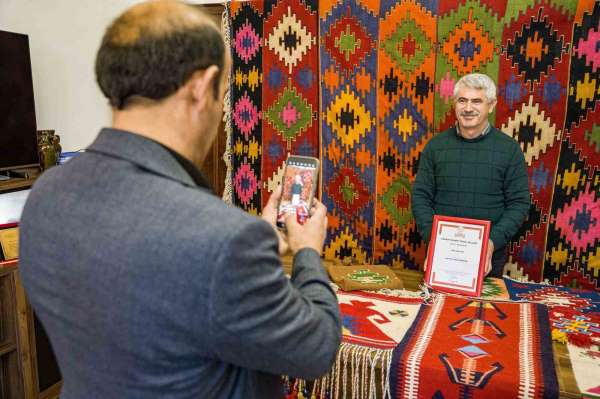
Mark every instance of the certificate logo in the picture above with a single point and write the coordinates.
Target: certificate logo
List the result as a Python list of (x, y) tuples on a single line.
[(460, 232)]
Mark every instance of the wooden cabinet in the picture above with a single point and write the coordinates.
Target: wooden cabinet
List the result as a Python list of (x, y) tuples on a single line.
[(23, 373), (16, 368)]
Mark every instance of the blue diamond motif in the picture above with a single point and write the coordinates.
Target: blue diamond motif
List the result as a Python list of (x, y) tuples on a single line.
[(472, 352), (475, 339)]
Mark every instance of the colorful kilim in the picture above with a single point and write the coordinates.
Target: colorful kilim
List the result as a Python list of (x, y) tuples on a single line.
[(494, 289), (573, 312), (372, 325), (349, 31), (386, 77), (374, 320), (458, 348), (274, 99), (290, 88), (246, 103), (533, 77), (585, 363)]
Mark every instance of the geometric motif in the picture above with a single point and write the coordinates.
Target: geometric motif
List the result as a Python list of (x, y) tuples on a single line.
[(472, 352), (348, 42), (345, 246), (290, 97), (290, 115), (407, 45), (554, 296), (432, 360), (247, 42), (536, 48), (348, 29), (348, 118), (532, 130), (348, 191), (468, 47), (245, 115), (373, 320), (396, 201), (290, 40), (579, 221), (386, 76), (245, 183), (405, 124), (246, 104)]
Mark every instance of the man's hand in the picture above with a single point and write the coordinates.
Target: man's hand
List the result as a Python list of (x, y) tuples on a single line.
[(426, 257), (312, 233), (269, 214), (488, 262)]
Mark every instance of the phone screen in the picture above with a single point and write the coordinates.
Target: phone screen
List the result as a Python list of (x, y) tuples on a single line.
[(298, 188)]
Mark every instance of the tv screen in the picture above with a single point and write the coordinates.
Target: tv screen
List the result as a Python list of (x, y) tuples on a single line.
[(18, 142)]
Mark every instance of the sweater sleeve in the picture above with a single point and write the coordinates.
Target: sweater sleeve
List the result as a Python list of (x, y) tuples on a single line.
[(516, 200), (423, 193), (264, 321)]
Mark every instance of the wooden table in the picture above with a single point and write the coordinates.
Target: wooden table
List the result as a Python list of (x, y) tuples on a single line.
[(564, 372)]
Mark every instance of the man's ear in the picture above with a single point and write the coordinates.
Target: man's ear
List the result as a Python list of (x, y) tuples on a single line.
[(203, 83), (492, 106)]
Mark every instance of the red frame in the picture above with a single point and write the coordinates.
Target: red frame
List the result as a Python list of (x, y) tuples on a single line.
[(461, 290), (4, 263)]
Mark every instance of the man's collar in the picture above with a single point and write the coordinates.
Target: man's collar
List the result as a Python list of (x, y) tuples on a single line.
[(141, 151), (485, 131)]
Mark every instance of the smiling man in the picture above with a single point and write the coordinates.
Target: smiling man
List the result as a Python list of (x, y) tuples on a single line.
[(473, 170)]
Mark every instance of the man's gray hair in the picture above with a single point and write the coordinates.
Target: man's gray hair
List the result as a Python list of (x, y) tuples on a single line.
[(477, 81)]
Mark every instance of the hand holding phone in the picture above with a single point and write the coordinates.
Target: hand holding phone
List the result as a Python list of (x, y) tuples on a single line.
[(299, 184)]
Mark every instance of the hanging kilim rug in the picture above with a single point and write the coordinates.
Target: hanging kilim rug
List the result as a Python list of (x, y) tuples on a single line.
[(274, 93), (475, 349), (376, 78), (246, 38), (373, 325)]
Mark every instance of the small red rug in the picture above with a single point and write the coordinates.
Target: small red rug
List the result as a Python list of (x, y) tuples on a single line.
[(462, 348)]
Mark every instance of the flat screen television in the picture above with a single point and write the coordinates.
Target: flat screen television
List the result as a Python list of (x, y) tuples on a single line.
[(18, 141)]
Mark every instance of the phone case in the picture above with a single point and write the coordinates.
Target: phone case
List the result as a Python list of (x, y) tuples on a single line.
[(299, 187)]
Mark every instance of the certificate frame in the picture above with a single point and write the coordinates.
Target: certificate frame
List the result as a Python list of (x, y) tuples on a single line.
[(474, 278)]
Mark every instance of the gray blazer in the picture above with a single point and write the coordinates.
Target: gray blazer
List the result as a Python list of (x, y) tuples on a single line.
[(149, 286)]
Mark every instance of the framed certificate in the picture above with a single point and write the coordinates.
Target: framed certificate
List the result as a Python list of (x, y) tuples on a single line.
[(457, 254)]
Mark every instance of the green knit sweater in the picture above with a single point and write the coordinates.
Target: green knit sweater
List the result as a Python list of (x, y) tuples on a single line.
[(480, 178)]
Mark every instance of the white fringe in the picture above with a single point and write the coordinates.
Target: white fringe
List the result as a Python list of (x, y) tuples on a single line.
[(354, 374), (228, 155)]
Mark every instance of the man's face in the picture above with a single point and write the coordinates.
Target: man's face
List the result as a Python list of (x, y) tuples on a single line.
[(472, 109)]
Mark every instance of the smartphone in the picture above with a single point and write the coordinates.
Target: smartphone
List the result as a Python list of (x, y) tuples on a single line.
[(299, 185)]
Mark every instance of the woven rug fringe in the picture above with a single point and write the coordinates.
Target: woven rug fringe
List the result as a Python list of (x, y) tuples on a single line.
[(227, 155), (358, 373)]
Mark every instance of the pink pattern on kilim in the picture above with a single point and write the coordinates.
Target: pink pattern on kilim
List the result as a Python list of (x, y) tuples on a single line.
[(245, 183), (527, 368), (589, 50), (289, 114), (246, 115), (447, 87), (247, 42), (411, 388), (578, 221)]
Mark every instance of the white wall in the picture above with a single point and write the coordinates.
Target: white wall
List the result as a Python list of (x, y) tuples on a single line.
[(64, 36)]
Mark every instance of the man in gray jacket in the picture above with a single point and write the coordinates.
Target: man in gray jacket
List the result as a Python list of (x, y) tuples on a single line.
[(148, 285)]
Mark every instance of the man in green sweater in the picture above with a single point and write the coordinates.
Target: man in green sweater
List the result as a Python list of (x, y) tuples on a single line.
[(473, 170)]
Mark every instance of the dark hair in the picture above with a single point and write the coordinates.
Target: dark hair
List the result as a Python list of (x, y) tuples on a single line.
[(154, 67)]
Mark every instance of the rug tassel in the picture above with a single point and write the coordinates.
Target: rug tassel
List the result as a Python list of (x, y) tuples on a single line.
[(227, 155)]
